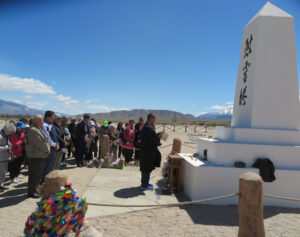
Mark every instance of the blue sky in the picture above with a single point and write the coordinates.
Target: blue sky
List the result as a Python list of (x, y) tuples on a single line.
[(77, 56)]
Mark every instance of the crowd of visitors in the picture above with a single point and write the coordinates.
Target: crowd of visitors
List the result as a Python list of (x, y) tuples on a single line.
[(46, 142)]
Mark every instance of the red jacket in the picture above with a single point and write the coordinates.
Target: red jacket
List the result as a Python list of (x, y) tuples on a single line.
[(128, 136), (17, 141)]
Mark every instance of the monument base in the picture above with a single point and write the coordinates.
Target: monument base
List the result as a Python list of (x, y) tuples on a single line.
[(204, 180), (225, 153)]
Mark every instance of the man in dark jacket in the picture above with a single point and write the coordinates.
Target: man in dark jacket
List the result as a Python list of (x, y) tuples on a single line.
[(150, 156), (81, 139), (61, 140), (137, 126), (72, 130)]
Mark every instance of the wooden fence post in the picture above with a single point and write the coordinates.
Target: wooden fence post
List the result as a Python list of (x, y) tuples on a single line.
[(53, 182), (174, 128), (104, 143), (185, 128), (195, 130), (176, 145), (251, 221)]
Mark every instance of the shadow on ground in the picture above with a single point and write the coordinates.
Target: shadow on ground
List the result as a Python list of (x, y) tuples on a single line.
[(12, 197), (129, 192)]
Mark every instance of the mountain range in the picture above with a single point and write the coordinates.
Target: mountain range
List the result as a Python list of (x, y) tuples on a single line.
[(12, 108), (167, 115)]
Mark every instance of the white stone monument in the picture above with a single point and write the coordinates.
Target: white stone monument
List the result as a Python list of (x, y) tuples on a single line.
[(266, 116)]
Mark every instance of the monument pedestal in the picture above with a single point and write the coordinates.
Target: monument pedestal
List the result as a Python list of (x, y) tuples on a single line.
[(248, 149), (203, 180), (266, 117)]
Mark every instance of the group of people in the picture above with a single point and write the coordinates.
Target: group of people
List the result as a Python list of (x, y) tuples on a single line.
[(46, 141)]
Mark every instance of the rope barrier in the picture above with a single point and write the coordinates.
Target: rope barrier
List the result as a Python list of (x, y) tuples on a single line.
[(178, 204), (281, 198), (137, 149), (189, 146), (188, 203)]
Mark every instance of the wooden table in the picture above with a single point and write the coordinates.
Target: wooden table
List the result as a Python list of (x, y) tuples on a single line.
[(175, 162)]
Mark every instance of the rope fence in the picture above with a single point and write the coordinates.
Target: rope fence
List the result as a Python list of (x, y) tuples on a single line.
[(281, 198), (188, 203), (178, 204), (137, 149), (176, 128)]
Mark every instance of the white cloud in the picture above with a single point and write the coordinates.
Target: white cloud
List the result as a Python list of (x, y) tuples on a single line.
[(99, 107), (37, 104), (67, 100), (15, 101), (227, 109), (27, 97), (90, 101), (119, 109), (200, 113), (220, 107), (26, 85), (104, 108), (229, 103)]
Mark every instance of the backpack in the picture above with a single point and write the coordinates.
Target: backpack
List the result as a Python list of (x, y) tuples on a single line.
[(266, 169)]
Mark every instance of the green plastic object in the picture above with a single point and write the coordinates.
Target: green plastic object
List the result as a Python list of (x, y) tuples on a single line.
[(105, 123)]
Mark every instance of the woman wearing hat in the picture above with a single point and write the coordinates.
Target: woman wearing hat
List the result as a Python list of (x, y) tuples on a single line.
[(17, 141)]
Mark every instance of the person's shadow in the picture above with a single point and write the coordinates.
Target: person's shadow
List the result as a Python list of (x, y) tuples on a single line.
[(13, 197), (129, 192)]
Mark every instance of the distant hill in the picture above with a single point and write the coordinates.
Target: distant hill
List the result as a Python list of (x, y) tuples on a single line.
[(224, 114), (12, 108), (136, 113)]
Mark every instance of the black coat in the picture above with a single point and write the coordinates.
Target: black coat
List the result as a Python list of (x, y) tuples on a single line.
[(72, 129), (60, 135), (81, 132), (150, 156)]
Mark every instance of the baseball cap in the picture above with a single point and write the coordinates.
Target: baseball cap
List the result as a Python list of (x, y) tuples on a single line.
[(20, 125)]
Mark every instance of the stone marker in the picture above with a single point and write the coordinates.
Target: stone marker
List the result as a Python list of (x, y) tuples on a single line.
[(53, 182), (176, 145), (251, 221)]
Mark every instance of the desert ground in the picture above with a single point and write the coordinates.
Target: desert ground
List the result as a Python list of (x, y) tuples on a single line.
[(200, 220)]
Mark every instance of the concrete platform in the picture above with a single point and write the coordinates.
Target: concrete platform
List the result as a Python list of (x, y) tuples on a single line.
[(203, 180), (225, 153), (121, 187)]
